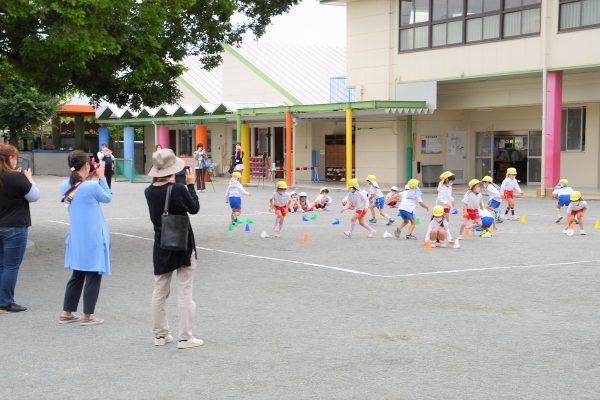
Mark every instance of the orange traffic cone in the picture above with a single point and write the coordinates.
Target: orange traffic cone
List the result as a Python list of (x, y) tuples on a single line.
[(467, 232), (306, 238), (428, 244)]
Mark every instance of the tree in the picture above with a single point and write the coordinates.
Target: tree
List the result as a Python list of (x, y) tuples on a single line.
[(22, 106), (127, 52)]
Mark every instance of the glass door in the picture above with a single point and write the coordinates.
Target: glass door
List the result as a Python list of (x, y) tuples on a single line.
[(483, 155), (534, 157)]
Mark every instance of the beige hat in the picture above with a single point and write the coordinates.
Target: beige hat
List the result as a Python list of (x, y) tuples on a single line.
[(165, 163)]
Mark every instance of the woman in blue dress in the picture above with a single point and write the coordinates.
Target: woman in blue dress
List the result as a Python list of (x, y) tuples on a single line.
[(88, 240)]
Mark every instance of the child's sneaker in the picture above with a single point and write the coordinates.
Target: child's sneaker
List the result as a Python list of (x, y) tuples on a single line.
[(398, 233), (373, 220), (582, 232), (515, 217), (486, 235), (348, 234), (434, 245), (372, 233), (558, 218), (390, 221), (443, 245), (410, 236), (188, 344), (162, 340)]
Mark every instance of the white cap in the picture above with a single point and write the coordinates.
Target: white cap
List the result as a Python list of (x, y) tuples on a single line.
[(323, 188), (394, 188), (292, 192), (302, 194)]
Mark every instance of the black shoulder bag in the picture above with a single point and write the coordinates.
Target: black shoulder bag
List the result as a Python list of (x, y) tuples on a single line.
[(174, 230)]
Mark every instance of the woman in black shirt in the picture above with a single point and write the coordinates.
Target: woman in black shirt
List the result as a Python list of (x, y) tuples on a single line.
[(17, 190)]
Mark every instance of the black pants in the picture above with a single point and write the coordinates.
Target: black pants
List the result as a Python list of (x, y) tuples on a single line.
[(108, 175), (200, 185), (90, 291)]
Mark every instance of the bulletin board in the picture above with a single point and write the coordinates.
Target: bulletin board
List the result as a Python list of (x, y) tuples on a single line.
[(431, 144)]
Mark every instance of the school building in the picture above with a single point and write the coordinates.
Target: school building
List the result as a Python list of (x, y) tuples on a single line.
[(474, 86)]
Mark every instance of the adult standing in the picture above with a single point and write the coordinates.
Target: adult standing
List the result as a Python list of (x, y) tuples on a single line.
[(183, 200), (237, 159), (17, 190), (87, 252), (105, 155), (200, 157)]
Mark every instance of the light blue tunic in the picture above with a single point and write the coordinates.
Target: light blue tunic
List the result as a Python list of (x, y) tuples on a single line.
[(88, 239)]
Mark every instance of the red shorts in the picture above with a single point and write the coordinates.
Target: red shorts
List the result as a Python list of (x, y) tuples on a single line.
[(282, 209), (509, 194), (361, 213), (473, 215), (446, 210), (574, 213)]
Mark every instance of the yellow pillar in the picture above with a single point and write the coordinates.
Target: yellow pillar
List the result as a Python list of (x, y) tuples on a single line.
[(246, 150), (348, 144)]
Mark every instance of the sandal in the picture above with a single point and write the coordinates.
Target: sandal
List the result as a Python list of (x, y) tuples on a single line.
[(91, 321), (68, 320)]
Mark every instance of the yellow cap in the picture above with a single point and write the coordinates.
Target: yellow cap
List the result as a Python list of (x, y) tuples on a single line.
[(445, 175), (511, 171), (236, 174), (564, 181), (371, 178), (473, 182), (413, 184), (576, 195), (438, 211), (352, 183), (281, 185), (487, 178)]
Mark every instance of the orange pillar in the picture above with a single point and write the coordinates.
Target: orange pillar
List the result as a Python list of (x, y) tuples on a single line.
[(201, 136), (288, 148)]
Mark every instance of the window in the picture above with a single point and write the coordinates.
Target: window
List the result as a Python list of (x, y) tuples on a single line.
[(185, 142), (573, 129), (439, 23), (575, 14)]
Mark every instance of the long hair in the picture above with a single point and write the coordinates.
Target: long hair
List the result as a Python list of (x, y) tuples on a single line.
[(77, 160), (7, 151)]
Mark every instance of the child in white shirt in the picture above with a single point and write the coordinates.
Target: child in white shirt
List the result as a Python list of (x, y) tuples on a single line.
[(472, 203), (495, 200), (280, 203), (323, 200), (408, 205), (357, 200), (303, 203), (438, 230), (393, 197), (576, 209), (294, 206), (507, 189), (233, 196), (444, 197), (376, 200), (562, 193)]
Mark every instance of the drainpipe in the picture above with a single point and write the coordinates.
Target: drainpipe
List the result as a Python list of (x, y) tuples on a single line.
[(155, 133)]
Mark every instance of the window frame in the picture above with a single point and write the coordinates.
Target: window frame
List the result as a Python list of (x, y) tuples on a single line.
[(566, 134), (578, 28), (464, 18)]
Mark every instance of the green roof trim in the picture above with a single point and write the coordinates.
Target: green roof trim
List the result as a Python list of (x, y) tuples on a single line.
[(182, 120), (261, 74), (192, 89)]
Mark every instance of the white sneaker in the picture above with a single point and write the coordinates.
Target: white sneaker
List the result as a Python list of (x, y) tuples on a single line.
[(486, 235), (372, 233), (188, 344), (443, 245), (348, 234), (582, 232), (162, 340), (434, 245)]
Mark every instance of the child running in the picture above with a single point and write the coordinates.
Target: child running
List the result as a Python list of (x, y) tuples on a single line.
[(444, 197), (507, 189), (495, 200), (323, 200), (357, 200), (393, 197), (408, 205), (472, 202), (303, 203), (376, 200), (438, 230), (576, 210), (294, 204), (562, 193), (280, 203), (233, 196)]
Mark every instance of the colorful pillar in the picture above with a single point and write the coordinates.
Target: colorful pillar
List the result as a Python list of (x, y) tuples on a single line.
[(245, 133), (553, 127), (56, 140), (288, 148), (103, 137), (202, 136), (409, 147), (238, 128), (79, 128), (128, 151), (348, 144), (163, 136)]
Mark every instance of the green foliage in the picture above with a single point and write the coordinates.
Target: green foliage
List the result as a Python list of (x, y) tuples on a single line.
[(22, 107), (127, 52)]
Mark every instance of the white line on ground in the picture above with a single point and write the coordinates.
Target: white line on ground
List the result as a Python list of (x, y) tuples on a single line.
[(356, 272)]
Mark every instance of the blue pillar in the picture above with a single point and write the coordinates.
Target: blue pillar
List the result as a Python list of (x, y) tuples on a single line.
[(103, 137), (128, 151)]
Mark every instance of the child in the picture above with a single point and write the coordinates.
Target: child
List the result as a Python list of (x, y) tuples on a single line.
[(376, 200), (487, 223), (294, 206), (493, 192), (438, 230), (444, 197), (393, 197), (408, 204), (507, 189), (562, 193), (472, 202), (357, 199), (323, 200), (233, 196), (576, 210), (280, 203), (303, 203)]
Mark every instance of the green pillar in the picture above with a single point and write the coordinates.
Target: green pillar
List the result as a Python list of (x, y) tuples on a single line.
[(238, 128), (79, 124), (56, 142), (409, 147)]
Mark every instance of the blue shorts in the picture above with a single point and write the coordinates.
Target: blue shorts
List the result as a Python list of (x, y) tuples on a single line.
[(406, 216), (494, 203), (486, 222), (379, 203), (235, 203), (564, 200)]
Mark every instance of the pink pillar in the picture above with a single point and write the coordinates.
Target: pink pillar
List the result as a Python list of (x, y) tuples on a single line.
[(553, 127), (163, 136)]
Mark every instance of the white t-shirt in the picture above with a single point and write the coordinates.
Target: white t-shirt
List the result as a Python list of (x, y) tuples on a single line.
[(494, 192), (562, 190), (444, 197), (437, 223), (281, 199), (472, 200), (323, 198), (358, 199), (485, 213), (510, 184), (375, 191), (407, 204), (235, 189), (577, 205)]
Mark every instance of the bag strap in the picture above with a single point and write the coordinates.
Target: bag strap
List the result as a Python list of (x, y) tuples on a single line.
[(168, 200)]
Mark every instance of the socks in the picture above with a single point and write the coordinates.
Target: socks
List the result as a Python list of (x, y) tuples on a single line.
[(512, 211), (367, 227), (352, 226), (507, 210)]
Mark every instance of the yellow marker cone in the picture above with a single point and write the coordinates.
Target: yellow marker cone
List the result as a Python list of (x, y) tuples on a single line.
[(523, 219), (597, 224), (306, 238)]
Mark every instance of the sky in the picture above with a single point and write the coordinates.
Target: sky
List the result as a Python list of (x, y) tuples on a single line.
[(309, 23)]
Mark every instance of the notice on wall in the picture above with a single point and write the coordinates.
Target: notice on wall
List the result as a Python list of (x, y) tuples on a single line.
[(431, 144)]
